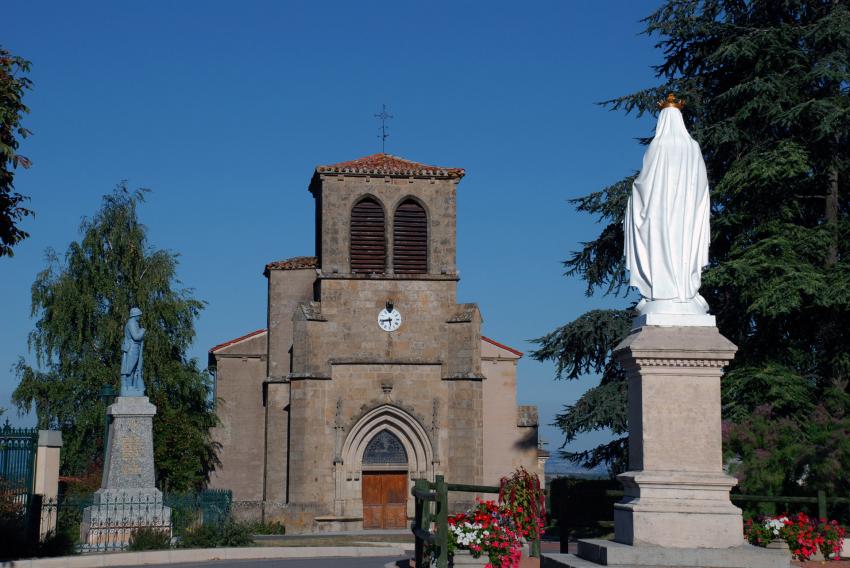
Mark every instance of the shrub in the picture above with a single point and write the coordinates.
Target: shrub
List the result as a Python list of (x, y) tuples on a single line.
[(14, 543), (227, 533), (274, 528), (149, 538), (58, 543)]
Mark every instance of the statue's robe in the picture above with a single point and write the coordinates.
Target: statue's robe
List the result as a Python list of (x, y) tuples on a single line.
[(666, 224), (131, 349)]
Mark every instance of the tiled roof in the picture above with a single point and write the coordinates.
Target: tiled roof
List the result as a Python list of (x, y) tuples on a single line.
[(237, 340), (497, 344), (294, 263), (389, 165)]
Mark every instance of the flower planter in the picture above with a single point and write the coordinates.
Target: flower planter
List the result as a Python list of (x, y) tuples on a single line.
[(464, 558)]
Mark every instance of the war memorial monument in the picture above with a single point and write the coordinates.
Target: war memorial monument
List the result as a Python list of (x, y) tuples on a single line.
[(128, 498), (676, 511)]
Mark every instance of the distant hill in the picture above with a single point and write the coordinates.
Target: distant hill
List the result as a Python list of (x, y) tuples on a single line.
[(559, 467)]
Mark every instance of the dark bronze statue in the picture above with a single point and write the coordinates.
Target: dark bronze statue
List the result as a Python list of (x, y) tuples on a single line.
[(132, 349)]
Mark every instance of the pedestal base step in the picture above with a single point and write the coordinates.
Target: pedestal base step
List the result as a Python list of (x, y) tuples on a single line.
[(596, 553)]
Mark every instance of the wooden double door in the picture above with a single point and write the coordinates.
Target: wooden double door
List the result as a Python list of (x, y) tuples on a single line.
[(385, 500)]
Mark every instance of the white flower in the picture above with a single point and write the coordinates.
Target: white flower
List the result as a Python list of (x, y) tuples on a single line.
[(775, 525)]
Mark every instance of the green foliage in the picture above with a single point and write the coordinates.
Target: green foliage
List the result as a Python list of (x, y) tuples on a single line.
[(584, 346), (583, 504), (81, 304), (273, 527), (149, 539), (213, 535), (13, 84), (766, 86)]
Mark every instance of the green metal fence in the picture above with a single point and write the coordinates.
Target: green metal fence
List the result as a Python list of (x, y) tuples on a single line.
[(111, 524), (18, 448)]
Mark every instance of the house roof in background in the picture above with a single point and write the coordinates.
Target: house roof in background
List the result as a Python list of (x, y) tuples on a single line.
[(502, 346), (237, 340)]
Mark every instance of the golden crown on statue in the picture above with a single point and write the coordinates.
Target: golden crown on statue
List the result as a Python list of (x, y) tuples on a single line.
[(671, 101)]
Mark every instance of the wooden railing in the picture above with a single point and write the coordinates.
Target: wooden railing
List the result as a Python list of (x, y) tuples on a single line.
[(427, 493), (822, 500)]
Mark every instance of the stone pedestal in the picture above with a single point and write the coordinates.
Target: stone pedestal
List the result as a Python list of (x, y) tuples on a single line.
[(676, 509), (128, 498), (676, 494)]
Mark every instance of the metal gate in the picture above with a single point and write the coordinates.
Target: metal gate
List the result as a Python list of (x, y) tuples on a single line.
[(18, 447)]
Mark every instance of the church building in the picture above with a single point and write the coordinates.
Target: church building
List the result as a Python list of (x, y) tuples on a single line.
[(369, 374)]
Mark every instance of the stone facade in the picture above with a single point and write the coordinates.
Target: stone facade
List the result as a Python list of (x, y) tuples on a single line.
[(301, 402)]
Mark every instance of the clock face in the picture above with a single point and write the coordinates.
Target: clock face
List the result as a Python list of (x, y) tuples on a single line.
[(389, 320)]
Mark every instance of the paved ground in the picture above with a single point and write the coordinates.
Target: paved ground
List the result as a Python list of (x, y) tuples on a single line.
[(293, 563)]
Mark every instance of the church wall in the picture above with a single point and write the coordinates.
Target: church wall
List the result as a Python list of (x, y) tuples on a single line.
[(286, 289), (325, 412), (241, 370), (277, 440), (507, 445), (311, 442), (415, 389), (341, 354), (466, 430), (339, 194), (351, 332)]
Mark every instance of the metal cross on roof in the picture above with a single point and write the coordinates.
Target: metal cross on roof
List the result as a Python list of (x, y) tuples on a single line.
[(384, 116)]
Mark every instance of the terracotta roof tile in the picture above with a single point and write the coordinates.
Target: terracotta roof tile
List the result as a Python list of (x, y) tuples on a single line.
[(502, 345), (237, 340), (294, 263), (387, 164)]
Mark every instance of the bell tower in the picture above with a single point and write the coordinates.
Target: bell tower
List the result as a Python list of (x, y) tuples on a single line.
[(382, 215)]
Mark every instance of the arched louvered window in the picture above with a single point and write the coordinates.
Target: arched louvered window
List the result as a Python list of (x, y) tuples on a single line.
[(368, 242), (410, 239)]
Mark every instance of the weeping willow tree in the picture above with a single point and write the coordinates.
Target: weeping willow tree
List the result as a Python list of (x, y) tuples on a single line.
[(766, 84), (81, 302)]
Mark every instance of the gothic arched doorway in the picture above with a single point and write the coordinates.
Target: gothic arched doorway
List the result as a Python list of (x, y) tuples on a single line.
[(385, 484)]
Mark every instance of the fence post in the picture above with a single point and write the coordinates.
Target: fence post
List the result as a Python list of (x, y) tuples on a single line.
[(563, 527), (32, 518), (442, 522), (421, 485), (822, 504)]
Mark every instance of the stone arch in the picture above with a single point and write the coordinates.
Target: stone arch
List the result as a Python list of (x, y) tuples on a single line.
[(412, 435)]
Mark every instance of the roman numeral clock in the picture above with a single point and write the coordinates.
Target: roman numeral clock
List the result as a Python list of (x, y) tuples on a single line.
[(389, 318)]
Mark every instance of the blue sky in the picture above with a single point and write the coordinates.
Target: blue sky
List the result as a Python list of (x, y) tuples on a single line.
[(223, 109)]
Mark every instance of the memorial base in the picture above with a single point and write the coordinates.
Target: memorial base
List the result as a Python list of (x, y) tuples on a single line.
[(677, 509), (127, 500), (595, 553), (113, 517)]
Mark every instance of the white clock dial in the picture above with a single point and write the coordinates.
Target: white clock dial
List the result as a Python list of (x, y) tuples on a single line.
[(389, 320)]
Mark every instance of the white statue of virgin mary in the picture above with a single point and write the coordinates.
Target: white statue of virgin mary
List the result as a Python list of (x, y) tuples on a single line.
[(666, 225)]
